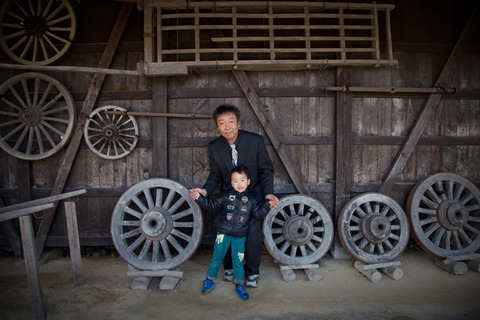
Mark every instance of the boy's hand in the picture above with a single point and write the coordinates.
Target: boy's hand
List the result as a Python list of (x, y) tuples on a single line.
[(272, 204)]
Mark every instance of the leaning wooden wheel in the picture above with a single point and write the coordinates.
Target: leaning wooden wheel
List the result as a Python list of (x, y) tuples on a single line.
[(299, 230), (444, 211), (111, 136), (37, 116), (373, 228), (36, 32), (156, 225)]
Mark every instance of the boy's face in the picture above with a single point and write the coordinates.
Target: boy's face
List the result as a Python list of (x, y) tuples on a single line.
[(239, 181)]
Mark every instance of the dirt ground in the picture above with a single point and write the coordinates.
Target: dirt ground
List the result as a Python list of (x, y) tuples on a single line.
[(425, 292)]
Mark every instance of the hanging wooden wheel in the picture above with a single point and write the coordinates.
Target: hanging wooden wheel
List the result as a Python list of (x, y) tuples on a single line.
[(111, 136), (444, 211), (156, 225), (299, 230), (36, 32), (37, 116), (373, 228)]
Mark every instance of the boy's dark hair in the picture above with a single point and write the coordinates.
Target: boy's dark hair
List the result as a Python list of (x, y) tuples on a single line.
[(240, 169), (226, 108)]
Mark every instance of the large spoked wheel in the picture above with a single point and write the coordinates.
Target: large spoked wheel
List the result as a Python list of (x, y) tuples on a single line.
[(156, 225), (299, 230), (444, 211), (37, 116), (36, 32), (373, 228), (111, 136)]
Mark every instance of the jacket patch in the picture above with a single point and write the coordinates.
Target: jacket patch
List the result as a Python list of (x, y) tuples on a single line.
[(232, 197), (229, 216), (244, 199), (230, 207), (243, 209), (241, 218)]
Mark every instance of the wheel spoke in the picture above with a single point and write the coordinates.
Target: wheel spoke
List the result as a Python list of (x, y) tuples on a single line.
[(139, 203), (166, 250), (148, 196), (146, 247)]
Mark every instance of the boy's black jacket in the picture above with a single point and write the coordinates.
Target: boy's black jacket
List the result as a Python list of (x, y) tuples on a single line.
[(234, 210)]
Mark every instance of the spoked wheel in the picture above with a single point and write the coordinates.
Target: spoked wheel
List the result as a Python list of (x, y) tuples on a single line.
[(36, 32), (111, 136), (37, 116), (373, 228), (299, 230), (156, 225), (444, 211)]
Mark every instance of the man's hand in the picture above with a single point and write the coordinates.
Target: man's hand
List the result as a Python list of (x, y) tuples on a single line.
[(272, 200), (194, 193)]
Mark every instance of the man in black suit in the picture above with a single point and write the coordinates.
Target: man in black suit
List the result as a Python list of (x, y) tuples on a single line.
[(233, 147)]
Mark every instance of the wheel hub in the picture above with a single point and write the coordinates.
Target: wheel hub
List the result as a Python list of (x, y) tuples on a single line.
[(35, 25), (30, 116), (452, 215), (298, 230), (156, 224), (111, 132), (376, 227)]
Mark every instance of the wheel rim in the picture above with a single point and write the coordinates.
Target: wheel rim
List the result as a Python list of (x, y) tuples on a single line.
[(299, 230), (37, 116), (444, 211), (36, 32), (111, 136), (156, 225), (373, 228)]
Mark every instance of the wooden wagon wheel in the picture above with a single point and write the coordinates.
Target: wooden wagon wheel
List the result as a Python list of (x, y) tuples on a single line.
[(36, 32), (299, 230), (373, 228), (444, 211), (156, 225), (111, 136), (37, 116)]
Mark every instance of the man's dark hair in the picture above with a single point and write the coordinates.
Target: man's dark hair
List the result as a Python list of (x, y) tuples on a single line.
[(240, 169), (226, 108)]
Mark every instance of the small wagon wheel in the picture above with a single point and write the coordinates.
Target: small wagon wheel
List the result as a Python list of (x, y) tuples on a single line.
[(299, 230), (111, 136), (373, 228), (36, 32), (444, 211), (37, 116), (156, 225)]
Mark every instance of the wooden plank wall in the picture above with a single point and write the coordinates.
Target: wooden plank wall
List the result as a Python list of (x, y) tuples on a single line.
[(302, 112)]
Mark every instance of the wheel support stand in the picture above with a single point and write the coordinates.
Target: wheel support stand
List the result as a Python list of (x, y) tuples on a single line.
[(141, 278), (391, 269), (311, 270), (455, 264)]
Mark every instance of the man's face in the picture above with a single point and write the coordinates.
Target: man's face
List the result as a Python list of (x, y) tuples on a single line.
[(228, 126), (239, 181)]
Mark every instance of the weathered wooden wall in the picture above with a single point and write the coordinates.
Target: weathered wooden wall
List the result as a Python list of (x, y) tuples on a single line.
[(423, 36)]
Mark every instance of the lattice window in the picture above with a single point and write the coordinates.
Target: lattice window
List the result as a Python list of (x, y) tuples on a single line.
[(271, 35)]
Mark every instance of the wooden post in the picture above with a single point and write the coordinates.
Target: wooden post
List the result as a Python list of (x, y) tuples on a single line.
[(74, 242), (160, 128), (343, 156), (32, 267)]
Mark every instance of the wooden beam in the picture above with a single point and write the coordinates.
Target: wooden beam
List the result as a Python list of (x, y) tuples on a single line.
[(271, 131), (431, 103), (87, 108)]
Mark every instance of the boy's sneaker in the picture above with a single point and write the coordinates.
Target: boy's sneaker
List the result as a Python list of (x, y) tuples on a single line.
[(228, 275), (242, 293), (207, 286), (252, 281)]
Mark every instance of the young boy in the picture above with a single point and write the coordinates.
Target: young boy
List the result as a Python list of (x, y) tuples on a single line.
[(234, 209)]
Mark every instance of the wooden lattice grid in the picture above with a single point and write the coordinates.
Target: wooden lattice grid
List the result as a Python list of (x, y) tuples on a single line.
[(271, 35)]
